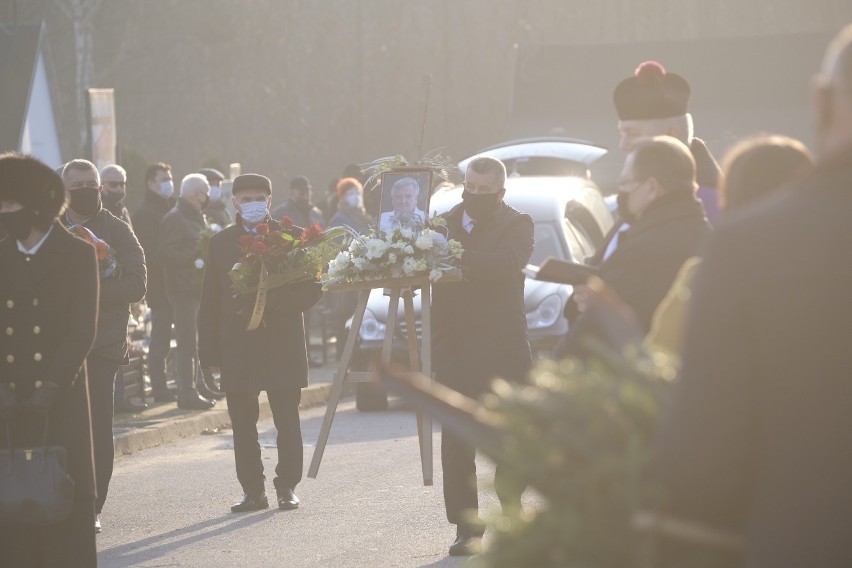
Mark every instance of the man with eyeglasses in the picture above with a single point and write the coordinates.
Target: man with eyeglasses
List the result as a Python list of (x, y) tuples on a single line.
[(114, 182), (667, 223)]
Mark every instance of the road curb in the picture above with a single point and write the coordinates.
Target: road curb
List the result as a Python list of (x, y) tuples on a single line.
[(159, 432)]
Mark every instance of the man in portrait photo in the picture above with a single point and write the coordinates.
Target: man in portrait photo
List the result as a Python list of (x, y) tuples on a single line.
[(404, 193)]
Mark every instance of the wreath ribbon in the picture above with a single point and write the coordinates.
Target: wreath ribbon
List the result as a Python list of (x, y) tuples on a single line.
[(260, 300)]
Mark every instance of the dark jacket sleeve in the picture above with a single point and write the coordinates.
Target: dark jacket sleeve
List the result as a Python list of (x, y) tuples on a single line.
[(507, 260), (209, 312), (75, 346), (129, 286), (146, 230), (298, 297)]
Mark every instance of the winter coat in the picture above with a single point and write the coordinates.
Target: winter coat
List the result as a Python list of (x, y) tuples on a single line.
[(146, 225), (178, 242)]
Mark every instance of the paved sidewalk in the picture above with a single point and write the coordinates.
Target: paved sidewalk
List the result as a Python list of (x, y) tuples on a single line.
[(164, 423)]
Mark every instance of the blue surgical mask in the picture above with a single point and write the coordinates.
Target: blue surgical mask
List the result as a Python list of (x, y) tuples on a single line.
[(167, 189), (215, 193), (254, 211)]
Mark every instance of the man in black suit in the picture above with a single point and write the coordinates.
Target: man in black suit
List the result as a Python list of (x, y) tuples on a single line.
[(758, 439), (272, 357), (479, 327), (118, 289)]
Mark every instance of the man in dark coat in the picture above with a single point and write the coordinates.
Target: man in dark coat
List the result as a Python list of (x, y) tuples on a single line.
[(159, 189), (216, 212), (48, 315), (178, 242), (479, 326), (299, 207), (758, 438), (114, 183), (271, 358), (119, 289), (667, 224)]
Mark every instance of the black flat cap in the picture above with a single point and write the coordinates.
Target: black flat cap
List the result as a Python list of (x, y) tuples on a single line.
[(251, 181), (211, 174)]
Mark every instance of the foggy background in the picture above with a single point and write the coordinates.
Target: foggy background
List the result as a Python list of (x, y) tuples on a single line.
[(289, 87)]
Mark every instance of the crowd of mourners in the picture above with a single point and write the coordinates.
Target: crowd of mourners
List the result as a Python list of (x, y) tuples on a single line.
[(737, 270)]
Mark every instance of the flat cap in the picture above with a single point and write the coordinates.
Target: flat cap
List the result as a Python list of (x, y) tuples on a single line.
[(251, 181)]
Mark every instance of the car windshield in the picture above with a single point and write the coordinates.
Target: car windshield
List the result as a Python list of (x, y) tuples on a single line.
[(547, 243)]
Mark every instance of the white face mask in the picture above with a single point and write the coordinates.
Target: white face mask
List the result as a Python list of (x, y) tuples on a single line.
[(215, 193), (353, 199), (254, 211), (167, 189)]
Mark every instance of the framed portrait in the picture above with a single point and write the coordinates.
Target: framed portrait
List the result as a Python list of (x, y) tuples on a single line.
[(405, 199)]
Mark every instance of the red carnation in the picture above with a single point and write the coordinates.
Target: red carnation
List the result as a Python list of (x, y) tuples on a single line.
[(258, 247), (262, 229), (311, 233), (286, 222), (246, 240)]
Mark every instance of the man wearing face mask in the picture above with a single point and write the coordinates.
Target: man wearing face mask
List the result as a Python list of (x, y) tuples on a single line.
[(114, 182), (299, 207), (179, 233), (272, 357), (667, 223), (216, 211), (118, 290), (146, 223), (479, 328)]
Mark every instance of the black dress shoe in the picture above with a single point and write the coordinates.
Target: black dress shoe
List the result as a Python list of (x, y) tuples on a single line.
[(194, 401), (287, 500), (250, 503), (466, 544), (129, 407), (205, 390)]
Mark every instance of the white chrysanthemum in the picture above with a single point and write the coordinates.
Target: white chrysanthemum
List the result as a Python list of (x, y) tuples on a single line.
[(407, 232), (435, 274), (439, 240), (342, 260), (376, 248), (409, 265), (199, 263), (408, 249), (359, 263), (424, 241)]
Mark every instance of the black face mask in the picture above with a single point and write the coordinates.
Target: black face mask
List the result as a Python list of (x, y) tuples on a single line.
[(481, 205), (112, 199), (18, 224), (85, 201), (623, 210)]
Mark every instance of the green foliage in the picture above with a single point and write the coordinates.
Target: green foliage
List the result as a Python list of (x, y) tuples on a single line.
[(580, 435)]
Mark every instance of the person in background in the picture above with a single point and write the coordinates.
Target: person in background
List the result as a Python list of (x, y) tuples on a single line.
[(48, 317), (757, 439), (159, 189), (114, 182), (350, 207), (216, 212), (299, 207)]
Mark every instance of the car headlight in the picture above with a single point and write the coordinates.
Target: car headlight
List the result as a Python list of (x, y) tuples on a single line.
[(546, 313), (371, 328)]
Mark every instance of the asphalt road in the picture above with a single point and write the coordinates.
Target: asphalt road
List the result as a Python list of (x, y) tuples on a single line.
[(169, 506)]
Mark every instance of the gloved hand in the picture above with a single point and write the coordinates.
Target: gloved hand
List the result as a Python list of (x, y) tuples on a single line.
[(8, 400), (44, 397)]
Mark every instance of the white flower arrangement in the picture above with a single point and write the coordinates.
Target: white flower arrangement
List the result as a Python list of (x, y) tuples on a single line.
[(396, 254)]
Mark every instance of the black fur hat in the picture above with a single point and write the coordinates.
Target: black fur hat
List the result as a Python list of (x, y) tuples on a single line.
[(34, 185)]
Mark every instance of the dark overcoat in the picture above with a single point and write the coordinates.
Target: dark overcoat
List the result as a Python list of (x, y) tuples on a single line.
[(146, 225), (272, 357), (479, 326), (124, 287), (758, 438), (178, 249), (48, 315), (652, 250)]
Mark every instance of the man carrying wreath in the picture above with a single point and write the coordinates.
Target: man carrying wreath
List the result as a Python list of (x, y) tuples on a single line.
[(273, 357)]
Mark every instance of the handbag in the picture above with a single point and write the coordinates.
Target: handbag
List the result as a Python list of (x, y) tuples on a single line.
[(35, 488)]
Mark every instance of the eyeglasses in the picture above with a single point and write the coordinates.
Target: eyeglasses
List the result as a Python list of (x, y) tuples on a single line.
[(116, 184)]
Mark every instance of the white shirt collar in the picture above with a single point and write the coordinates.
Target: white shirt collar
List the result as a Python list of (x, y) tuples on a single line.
[(36, 246), (467, 222)]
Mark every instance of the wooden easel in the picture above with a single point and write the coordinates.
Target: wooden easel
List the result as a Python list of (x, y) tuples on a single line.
[(420, 360)]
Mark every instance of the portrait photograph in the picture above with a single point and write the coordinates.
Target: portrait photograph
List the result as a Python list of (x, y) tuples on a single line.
[(405, 199)]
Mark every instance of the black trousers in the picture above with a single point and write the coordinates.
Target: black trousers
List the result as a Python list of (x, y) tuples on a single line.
[(461, 498), (244, 410), (69, 544), (159, 346), (101, 380)]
